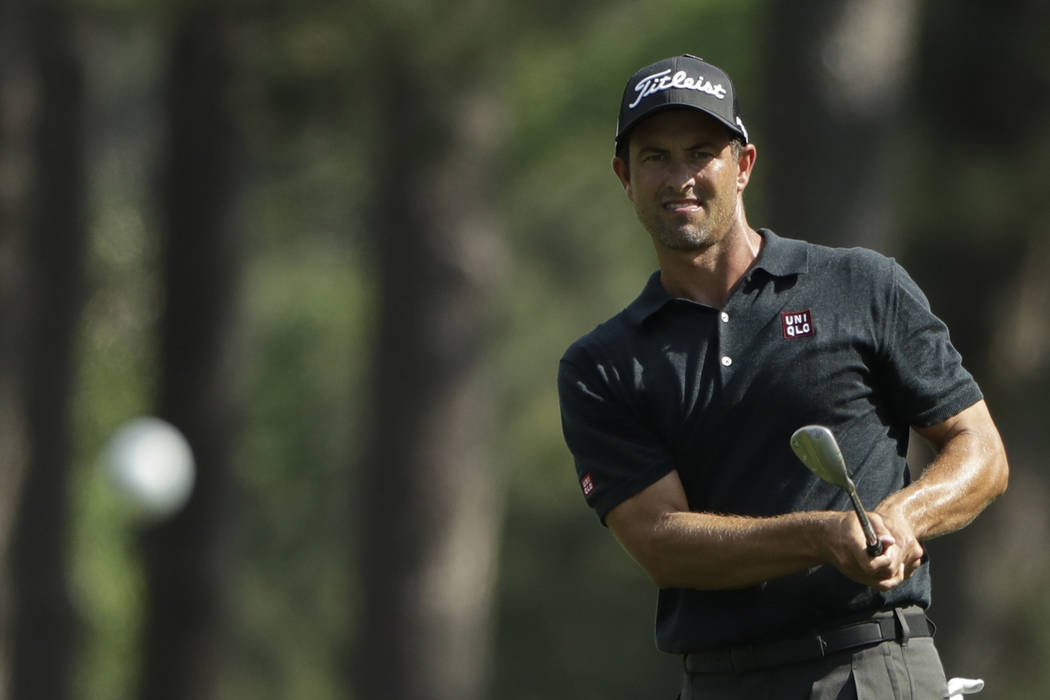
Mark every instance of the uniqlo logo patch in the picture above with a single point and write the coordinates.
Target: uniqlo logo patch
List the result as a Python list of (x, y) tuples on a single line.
[(797, 324), (587, 484)]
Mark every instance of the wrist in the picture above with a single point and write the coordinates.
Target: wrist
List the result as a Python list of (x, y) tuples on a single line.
[(825, 535), (896, 508)]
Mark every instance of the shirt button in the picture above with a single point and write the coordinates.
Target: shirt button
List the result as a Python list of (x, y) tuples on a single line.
[(725, 317), (726, 360)]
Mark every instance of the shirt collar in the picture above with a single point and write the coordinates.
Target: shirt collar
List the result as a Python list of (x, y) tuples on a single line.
[(780, 257), (651, 300)]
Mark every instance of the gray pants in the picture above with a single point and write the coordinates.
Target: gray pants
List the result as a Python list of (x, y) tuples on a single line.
[(886, 671)]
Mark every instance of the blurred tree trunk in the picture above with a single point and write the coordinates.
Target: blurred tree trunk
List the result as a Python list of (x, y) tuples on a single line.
[(44, 621), (429, 499), (979, 247), (186, 564), (836, 76), (974, 216), (14, 159)]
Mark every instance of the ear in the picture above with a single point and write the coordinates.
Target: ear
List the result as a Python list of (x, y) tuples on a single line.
[(745, 165), (623, 172)]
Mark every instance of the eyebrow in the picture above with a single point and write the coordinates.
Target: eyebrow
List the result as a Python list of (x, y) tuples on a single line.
[(707, 144), (699, 145), (652, 149)]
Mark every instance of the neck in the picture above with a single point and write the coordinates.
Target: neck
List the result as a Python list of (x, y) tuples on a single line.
[(710, 275)]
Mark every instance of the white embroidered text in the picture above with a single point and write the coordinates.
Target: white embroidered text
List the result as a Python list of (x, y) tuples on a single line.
[(658, 82)]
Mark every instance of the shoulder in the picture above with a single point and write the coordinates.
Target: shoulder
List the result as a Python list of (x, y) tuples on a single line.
[(845, 270), (784, 256), (855, 260), (613, 339), (598, 346)]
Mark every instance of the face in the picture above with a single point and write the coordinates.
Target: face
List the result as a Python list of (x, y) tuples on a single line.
[(685, 179)]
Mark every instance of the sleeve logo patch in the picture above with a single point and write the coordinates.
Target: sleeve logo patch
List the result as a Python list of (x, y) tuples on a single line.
[(587, 484), (797, 324)]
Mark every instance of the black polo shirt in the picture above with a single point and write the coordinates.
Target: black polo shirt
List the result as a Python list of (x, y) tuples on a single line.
[(837, 337)]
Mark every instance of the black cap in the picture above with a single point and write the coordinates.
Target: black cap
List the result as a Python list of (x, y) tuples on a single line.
[(682, 81)]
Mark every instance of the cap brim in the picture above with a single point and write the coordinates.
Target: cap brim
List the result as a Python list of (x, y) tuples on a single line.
[(631, 125)]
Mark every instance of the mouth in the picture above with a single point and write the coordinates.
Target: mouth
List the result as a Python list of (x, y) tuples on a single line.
[(682, 206)]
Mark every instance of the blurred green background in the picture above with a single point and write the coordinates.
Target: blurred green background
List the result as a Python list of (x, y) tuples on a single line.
[(342, 247)]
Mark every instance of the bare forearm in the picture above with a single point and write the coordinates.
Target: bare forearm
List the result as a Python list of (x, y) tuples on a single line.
[(706, 551), (683, 549), (969, 472)]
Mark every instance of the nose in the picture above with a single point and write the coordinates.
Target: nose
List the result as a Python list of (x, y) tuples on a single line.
[(681, 175)]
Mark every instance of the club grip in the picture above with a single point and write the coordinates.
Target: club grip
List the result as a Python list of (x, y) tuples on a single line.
[(875, 550)]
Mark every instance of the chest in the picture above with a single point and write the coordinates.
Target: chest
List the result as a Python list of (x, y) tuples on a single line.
[(769, 361)]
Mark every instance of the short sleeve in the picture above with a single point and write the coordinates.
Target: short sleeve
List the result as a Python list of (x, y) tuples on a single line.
[(927, 381), (616, 453)]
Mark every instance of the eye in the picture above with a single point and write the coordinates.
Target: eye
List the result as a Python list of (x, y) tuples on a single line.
[(654, 157)]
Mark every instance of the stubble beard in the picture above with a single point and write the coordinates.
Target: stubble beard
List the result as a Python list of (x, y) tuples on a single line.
[(690, 235)]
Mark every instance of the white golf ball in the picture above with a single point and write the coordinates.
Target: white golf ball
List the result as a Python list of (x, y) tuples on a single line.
[(150, 463)]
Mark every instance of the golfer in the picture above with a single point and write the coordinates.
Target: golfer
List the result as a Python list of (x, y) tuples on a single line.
[(679, 410)]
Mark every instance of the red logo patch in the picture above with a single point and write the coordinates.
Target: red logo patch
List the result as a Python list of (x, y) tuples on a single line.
[(797, 324), (587, 484)]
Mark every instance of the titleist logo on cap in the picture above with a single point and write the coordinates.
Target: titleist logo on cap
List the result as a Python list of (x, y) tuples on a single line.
[(658, 82)]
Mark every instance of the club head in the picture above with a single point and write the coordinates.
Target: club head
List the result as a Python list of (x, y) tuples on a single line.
[(815, 445), (817, 448)]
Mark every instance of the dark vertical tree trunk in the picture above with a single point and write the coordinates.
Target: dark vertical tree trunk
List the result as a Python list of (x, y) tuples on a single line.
[(836, 73), (185, 559), (429, 501), (976, 211), (14, 159), (45, 624), (979, 247)]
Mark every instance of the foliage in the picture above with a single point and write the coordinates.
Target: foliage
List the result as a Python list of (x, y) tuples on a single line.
[(575, 614)]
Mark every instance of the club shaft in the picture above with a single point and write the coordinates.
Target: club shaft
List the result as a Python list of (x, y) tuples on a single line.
[(874, 544), (817, 448)]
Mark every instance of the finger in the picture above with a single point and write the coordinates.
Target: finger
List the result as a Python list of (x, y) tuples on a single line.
[(892, 567), (887, 540), (882, 531), (891, 582), (886, 571), (912, 565)]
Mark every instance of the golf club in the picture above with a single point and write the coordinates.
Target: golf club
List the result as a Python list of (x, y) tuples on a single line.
[(816, 447)]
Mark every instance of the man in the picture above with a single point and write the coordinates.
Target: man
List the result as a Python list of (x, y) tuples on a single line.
[(679, 410)]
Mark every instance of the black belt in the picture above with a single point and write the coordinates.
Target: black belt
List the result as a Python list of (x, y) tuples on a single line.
[(899, 625)]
